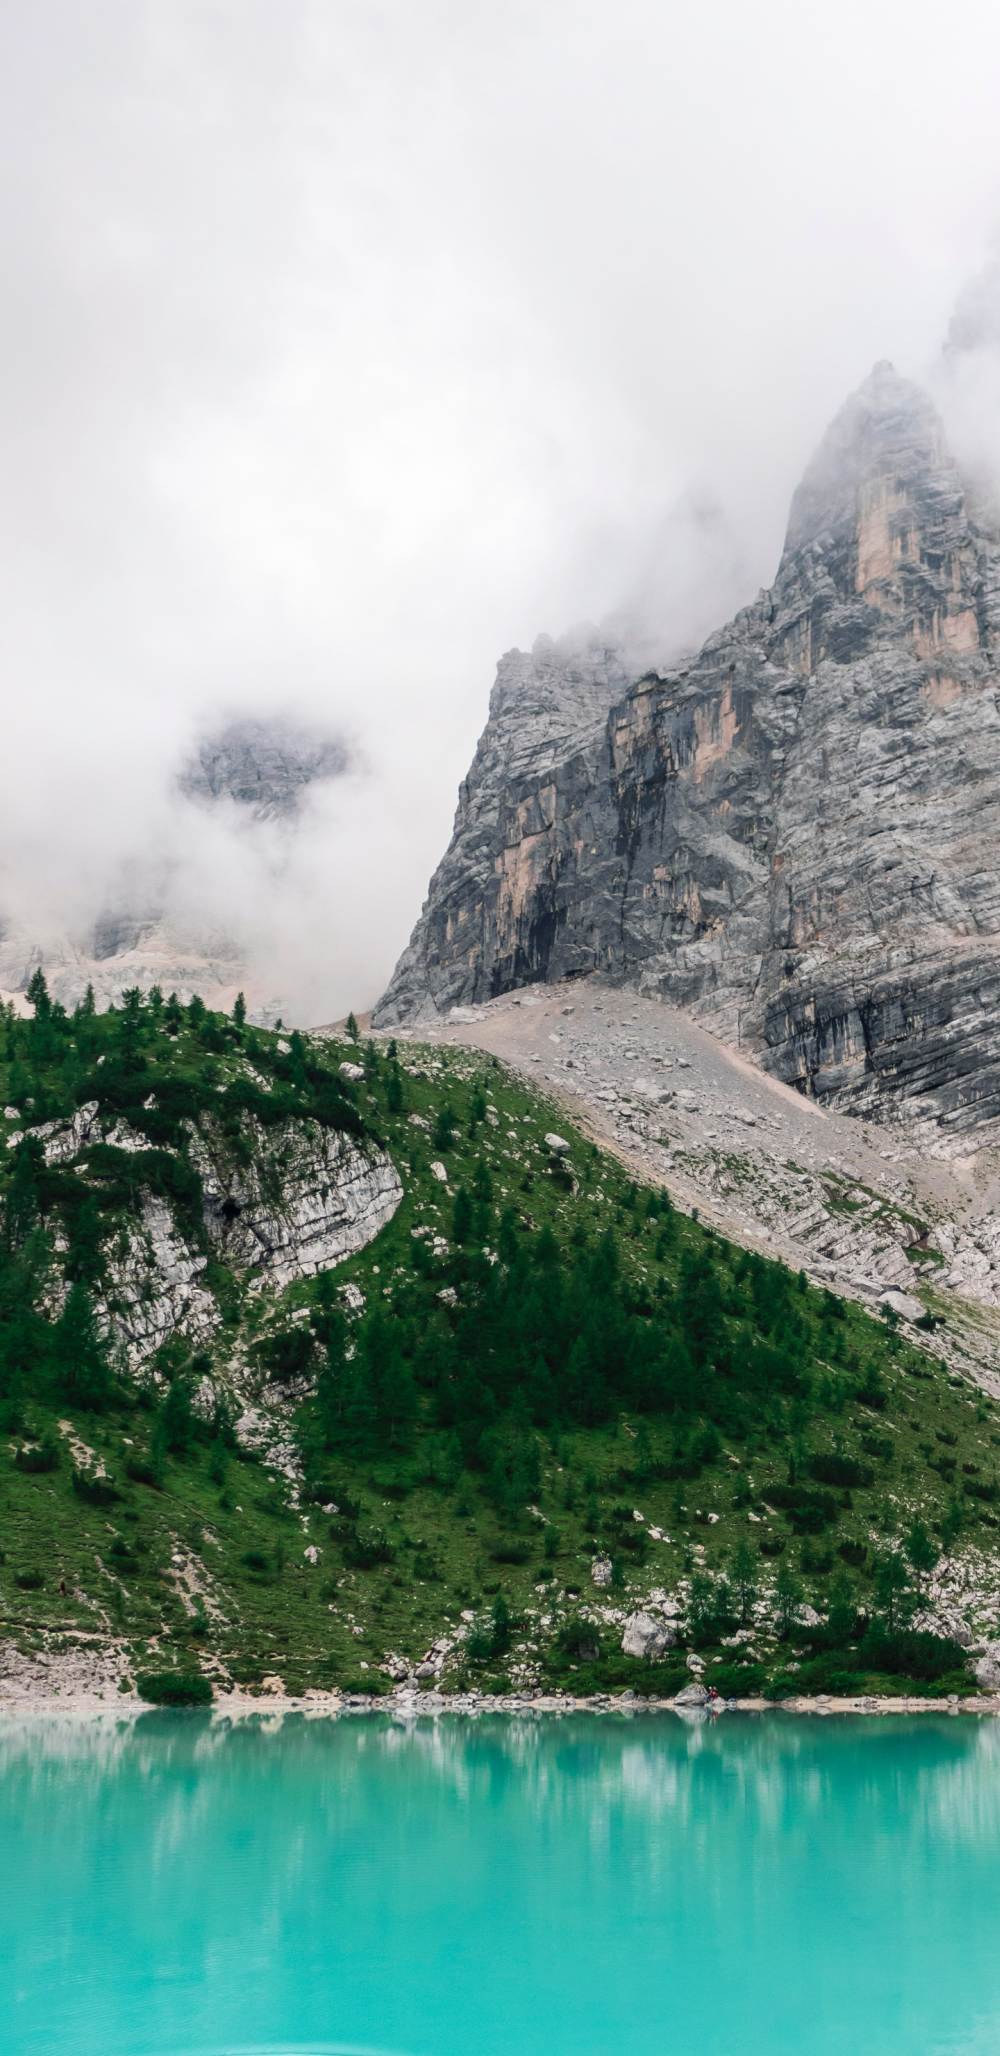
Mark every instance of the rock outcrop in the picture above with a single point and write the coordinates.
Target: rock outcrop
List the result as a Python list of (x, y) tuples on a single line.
[(279, 1201), (264, 766), (793, 834), (295, 1199)]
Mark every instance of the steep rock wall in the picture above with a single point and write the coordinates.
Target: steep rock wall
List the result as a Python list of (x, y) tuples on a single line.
[(794, 833)]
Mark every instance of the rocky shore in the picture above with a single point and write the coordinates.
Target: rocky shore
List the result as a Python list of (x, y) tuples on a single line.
[(691, 1705)]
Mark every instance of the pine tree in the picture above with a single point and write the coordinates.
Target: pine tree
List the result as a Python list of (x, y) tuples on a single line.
[(893, 1595), (461, 1216), (239, 1011), (787, 1599), (921, 1554), (37, 994), (842, 1609), (745, 1580), (352, 1027), (177, 1416), (445, 1124), (81, 1362)]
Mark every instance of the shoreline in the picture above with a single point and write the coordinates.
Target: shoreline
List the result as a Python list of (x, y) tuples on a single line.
[(233, 1707)]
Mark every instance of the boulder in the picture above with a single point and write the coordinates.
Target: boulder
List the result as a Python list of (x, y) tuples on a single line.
[(600, 1570), (648, 1636), (904, 1304), (692, 1695), (988, 1668)]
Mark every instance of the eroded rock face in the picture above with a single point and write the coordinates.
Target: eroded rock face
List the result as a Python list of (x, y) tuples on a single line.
[(280, 1202), (153, 1286), (794, 833), (296, 1200)]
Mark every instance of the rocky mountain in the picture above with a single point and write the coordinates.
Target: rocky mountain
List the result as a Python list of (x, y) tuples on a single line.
[(262, 769), (792, 834), (265, 766)]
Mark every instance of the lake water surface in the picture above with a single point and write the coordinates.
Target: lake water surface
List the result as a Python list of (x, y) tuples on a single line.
[(461, 1888)]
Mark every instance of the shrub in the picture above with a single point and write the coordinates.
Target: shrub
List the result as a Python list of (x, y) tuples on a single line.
[(366, 1547), (29, 1581), (37, 1457), (143, 1471), (809, 1510), (910, 1653), (174, 1688), (737, 1680), (510, 1552), (254, 1560), (95, 1487), (829, 1468)]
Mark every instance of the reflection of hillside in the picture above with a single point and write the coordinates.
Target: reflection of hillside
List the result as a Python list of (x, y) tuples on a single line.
[(279, 1863)]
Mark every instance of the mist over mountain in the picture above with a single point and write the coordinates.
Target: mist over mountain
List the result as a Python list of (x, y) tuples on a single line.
[(794, 833), (344, 352)]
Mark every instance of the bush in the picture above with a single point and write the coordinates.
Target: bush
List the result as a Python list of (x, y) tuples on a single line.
[(37, 1457), (143, 1471), (737, 1680), (910, 1653), (29, 1581), (255, 1560), (510, 1552), (95, 1488), (174, 1688), (366, 1547), (808, 1510), (829, 1468)]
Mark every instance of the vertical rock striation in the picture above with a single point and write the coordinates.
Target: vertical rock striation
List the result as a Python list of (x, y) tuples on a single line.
[(794, 833)]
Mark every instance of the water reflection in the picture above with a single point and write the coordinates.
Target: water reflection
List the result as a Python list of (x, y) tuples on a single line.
[(405, 1886)]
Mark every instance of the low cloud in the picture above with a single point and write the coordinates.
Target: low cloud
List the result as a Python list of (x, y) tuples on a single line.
[(347, 346)]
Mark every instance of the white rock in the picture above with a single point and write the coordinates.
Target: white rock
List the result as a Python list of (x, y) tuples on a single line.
[(692, 1695), (354, 1072), (648, 1637), (557, 1144), (988, 1668), (902, 1303), (439, 1172)]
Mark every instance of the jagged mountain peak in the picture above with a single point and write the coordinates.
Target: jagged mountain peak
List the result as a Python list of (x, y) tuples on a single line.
[(884, 452), (793, 833)]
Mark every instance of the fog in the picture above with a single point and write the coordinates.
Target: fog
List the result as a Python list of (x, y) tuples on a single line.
[(347, 345)]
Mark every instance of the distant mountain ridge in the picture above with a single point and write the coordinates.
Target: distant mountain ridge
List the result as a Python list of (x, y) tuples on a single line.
[(793, 833), (263, 768)]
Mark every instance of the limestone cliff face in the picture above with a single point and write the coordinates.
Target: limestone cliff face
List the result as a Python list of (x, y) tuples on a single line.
[(795, 832), (280, 1202)]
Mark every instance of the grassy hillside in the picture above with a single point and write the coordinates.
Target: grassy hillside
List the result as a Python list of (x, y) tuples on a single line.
[(534, 1366)]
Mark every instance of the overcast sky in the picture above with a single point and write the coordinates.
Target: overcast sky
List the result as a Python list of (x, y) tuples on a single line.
[(346, 346)]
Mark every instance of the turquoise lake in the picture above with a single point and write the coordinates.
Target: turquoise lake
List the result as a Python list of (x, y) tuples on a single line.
[(578, 1885)]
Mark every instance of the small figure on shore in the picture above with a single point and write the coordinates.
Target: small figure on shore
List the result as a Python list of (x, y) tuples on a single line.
[(714, 1700)]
